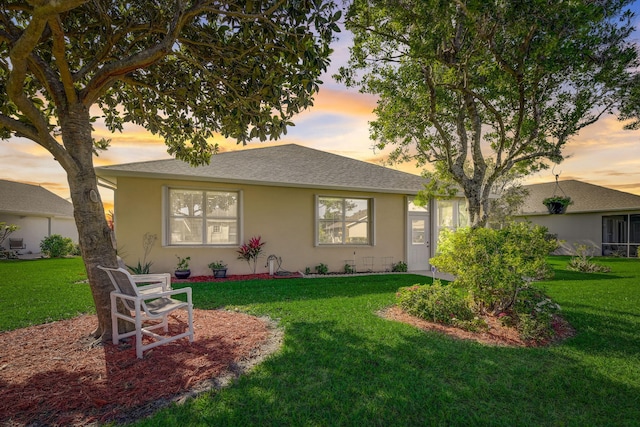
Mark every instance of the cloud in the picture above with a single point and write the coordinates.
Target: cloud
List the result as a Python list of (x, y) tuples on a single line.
[(629, 188), (344, 102)]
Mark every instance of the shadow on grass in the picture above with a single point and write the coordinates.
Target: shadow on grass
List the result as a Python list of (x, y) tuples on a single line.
[(219, 294), (329, 375), (577, 275), (603, 332)]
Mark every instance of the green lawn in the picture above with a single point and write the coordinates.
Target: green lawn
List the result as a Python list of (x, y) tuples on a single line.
[(38, 291), (342, 365)]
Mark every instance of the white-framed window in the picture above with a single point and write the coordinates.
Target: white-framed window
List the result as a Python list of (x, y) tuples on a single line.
[(451, 214), (344, 221), (202, 217)]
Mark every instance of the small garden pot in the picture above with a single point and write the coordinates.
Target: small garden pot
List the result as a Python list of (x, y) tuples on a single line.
[(219, 273), (182, 274)]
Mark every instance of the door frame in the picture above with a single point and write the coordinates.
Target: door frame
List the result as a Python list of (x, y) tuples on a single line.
[(417, 251)]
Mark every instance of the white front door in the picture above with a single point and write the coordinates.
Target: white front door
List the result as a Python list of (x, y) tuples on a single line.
[(418, 238)]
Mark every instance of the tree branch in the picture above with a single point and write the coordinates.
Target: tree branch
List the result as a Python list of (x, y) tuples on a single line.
[(59, 53)]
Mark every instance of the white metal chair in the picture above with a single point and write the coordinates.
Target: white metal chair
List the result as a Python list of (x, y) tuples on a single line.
[(149, 283), (152, 302)]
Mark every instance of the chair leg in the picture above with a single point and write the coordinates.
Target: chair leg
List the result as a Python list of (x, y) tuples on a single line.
[(165, 322), (138, 331), (190, 314), (115, 336)]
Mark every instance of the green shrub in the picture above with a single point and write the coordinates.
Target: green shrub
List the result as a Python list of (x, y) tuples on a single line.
[(140, 268), (492, 265), (399, 267), (322, 268), (437, 303), (76, 250), (582, 261), (534, 312), (56, 246)]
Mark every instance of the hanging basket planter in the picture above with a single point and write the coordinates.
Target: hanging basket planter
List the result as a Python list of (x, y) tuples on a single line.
[(557, 205)]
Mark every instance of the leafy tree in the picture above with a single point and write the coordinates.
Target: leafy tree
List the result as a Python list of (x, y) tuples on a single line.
[(510, 197), (500, 84), (183, 69), (6, 230)]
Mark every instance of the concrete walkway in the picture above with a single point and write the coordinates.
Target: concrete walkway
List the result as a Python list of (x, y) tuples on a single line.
[(436, 275), (30, 256)]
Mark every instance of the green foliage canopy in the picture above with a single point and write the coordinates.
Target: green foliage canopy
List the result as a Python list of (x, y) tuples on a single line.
[(493, 84), (183, 70)]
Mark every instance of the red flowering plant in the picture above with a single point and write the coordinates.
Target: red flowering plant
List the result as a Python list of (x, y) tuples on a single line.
[(251, 251)]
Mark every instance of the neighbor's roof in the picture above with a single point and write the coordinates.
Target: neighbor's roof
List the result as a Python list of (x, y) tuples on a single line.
[(283, 165), (17, 198), (586, 198)]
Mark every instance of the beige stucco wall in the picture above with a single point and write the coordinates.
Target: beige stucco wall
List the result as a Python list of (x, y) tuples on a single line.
[(283, 217)]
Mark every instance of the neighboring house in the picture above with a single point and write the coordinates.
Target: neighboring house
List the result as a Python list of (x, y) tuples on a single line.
[(605, 219), (309, 206), (37, 211)]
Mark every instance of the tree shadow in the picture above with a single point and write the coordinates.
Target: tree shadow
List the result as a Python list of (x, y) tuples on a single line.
[(329, 375), (219, 294), (119, 387)]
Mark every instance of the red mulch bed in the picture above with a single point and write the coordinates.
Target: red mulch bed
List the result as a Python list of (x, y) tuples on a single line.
[(236, 277), (497, 334), (50, 375)]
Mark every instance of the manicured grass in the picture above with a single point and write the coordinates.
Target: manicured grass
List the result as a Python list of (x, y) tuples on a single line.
[(342, 365), (38, 291)]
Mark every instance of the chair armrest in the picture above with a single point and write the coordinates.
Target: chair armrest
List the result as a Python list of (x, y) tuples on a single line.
[(128, 297), (164, 294), (153, 280)]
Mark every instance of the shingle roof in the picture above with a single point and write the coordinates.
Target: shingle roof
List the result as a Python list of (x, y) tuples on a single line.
[(288, 165), (586, 197), (25, 199)]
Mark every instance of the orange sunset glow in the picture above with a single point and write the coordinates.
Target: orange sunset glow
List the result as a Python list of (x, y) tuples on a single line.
[(603, 153)]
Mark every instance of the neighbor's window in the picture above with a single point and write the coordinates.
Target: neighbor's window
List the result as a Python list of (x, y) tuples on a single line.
[(343, 221), (621, 235), (200, 217)]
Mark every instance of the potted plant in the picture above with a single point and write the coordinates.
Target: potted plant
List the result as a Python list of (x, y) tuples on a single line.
[(182, 269), (219, 269), (557, 205)]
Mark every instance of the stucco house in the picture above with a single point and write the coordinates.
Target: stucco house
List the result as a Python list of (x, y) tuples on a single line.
[(608, 220), (309, 206), (39, 213)]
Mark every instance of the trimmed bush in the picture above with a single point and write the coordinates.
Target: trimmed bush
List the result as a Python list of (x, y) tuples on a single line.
[(493, 265), (56, 246), (399, 267), (436, 303)]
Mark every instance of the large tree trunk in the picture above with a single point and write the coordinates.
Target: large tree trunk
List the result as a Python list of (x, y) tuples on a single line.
[(477, 205), (94, 233)]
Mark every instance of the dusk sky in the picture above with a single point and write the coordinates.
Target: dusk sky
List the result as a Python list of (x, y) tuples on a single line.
[(603, 154)]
